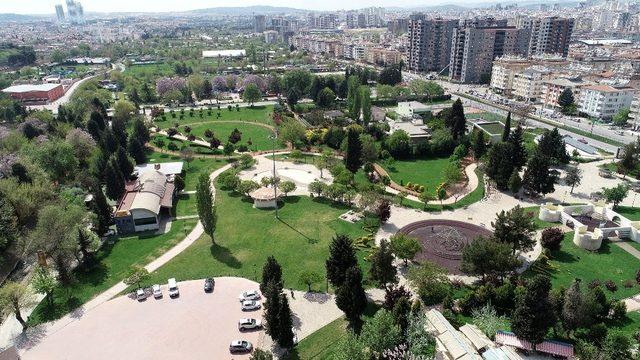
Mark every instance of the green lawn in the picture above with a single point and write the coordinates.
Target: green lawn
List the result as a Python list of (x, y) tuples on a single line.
[(192, 170), (631, 213), (246, 236), (257, 134), (261, 114), (186, 205), (609, 263), (114, 262), (322, 344), (197, 149), (473, 197), (150, 70), (426, 172)]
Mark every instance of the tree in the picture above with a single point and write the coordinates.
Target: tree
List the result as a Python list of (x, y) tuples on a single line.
[(507, 127), (287, 186), (342, 256), (272, 307), (285, 324), (352, 94), (515, 183), (114, 180), (617, 345), (44, 282), (615, 194), (452, 172), (259, 354), (405, 247), (484, 257), (123, 111), (552, 238), (552, 145), (8, 223), (316, 187), (293, 132), (136, 151), (271, 272), (441, 193), (14, 297), (519, 155), (533, 315), (350, 296), (500, 164), (251, 94), (515, 227), (246, 187), (380, 333), (88, 243), (573, 177), (325, 98), (566, 101), (205, 206), (537, 178), (383, 210), (382, 269), (391, 75), (431, 282), (365, 95), (478, 144), (136, 275), (325, 161), (353, 156), (399, 144), (629, 161), (309, 277), (621, 117), (573, 309), (456, 121)]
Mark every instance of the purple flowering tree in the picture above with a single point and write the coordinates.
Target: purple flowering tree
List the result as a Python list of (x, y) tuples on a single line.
[(166, 84)]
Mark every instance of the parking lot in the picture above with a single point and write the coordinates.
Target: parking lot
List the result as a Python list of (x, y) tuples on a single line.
[(196, 325)]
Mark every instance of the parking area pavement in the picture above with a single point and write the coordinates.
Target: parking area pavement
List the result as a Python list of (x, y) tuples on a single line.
[(196, 325)]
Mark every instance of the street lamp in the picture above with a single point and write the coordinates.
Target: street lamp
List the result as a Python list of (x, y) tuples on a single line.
[(273, 159)]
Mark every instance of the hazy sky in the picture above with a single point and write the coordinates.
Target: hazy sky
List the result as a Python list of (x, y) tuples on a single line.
[(47, 6)]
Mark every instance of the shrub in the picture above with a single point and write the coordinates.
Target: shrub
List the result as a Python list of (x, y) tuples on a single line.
[(409, 185), (385, 180), (618, 310), (421, 190), (172, 146), (242, 148), (552, 238), (594, 284), (611, 285), (638, 277)]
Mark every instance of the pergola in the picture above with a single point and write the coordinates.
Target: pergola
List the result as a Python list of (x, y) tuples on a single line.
[(265, 197)]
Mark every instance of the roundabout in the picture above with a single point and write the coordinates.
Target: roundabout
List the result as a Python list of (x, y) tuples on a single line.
[(443, 241)]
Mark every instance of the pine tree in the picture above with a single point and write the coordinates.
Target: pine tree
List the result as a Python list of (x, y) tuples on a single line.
[(382, 269), (479, 144), (350, 296), (285, 324), (342, 256), (507, 127), (272, 308), (84, 242), (365, 94), (114, 180), (353, 156), (102, 210), (537, 178), (566, 100), (515, 183), (455, 120), (125, 163), (500, 164), (519, 155), (136, 151), (206, 208), (271, 272), (573, 316), (352, 91), (534, 315)]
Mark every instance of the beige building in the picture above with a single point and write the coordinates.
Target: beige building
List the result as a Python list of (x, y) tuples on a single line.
[(552, 88), (635, 112), (503, 71), (604, 101), (527, 84)]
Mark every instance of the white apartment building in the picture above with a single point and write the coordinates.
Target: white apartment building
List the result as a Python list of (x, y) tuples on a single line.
[(604, 101), (527, 84), (503, 72), (634, 113)]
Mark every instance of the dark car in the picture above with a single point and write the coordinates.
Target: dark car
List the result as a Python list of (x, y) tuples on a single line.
[(209, 283)]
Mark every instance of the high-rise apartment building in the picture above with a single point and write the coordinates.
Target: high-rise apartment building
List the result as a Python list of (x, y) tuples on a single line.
[(477, 42), (429, 47), (398, 26), (550, 35), (60, 13), (259, 23), (75, 12)]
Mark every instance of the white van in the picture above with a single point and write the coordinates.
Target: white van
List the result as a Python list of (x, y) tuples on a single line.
[(173, 288)]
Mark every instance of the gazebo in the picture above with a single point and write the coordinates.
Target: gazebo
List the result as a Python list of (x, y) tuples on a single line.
[(265, 197)]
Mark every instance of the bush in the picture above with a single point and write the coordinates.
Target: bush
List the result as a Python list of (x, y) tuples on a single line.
[(243, 148), (594, 283), (618, 310), (611, 285), (409, 185), (421, 190), (552, 238), (172, 146), (638, 277)]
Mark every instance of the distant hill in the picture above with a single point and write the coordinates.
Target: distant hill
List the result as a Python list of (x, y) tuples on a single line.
[(246, 10), (20, 17)]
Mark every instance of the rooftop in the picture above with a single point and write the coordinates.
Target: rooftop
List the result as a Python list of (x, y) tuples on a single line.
[(30, 87), (223, 53), (168, 168)]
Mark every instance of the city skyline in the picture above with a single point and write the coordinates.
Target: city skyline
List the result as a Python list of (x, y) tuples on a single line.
[(45, 7)]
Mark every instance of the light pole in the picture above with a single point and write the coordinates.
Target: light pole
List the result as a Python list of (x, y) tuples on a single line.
[(273, 159)]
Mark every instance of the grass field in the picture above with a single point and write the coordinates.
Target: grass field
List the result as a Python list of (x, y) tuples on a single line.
[(610, 262), (426, 172), (261, 114), (257, 134), (245, 237), (114, 260), (631, 213), (192, 170)]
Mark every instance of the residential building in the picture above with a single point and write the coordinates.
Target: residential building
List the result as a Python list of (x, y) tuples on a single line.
[(259, 23), (381, 56), (503, 71), (398, 26), (527, 84), (634, 113), (429, 47), (322, 21), (41, 93), (550, 35), (477, 42), (75, 12), (551, 90), (604, 101), (60, 13), (270, 36), (147, 199)]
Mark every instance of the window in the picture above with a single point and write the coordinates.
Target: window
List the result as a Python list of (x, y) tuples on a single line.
[(145, 221)]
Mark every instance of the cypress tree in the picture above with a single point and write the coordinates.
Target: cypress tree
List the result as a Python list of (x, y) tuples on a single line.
[(350, 297), (519, 155), (456, 121), (102, 209), (342, 256), (206, 208), (113, 178), (136, 151), (271, 272), (507, 127), (353, 157), (382, 269), (365, 94), (124, 162), (285, 324), (272, 309)]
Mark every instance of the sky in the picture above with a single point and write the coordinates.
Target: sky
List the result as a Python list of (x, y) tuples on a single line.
[(47, 6)]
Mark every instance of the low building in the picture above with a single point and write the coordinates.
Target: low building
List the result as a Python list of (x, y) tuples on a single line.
[(604, 101), (551, 90), (265, 198), (408, 109), (270, 36), (41, 93), (417, 131), (378, 114), (493, 129), (145, 201), (224, 53), (634, 112)]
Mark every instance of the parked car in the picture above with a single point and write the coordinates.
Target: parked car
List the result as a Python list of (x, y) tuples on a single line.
[(141, 294), (157, 293), (249, 295), (249, 324), (249, 305), (209, 283), (173, 288), (240, 346)]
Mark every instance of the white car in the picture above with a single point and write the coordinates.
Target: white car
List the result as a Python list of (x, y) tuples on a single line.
[(141, 294), (240, 346), (249, 295), (157, 293), (173, 288), (249, 305), (249, 324)]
